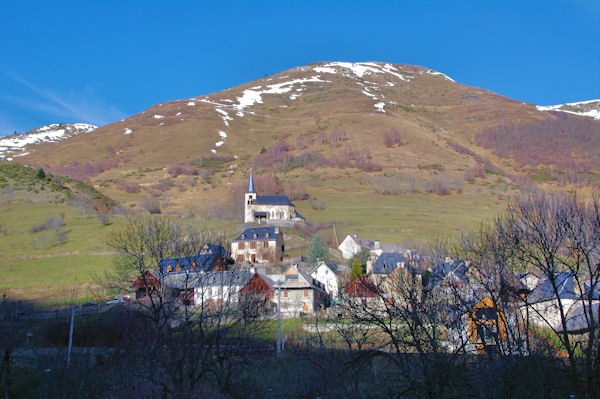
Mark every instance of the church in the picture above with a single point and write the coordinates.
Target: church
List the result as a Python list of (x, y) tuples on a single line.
[(268, 208)]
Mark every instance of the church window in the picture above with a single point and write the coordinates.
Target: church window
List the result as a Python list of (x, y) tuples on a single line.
[(240, 245), (253, 245)]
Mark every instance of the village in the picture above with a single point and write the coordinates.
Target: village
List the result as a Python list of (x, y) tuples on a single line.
[(482, 310)]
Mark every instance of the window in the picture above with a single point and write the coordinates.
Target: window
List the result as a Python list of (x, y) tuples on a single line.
[(169, 269), (305, 292), (178, 268), (266, 244), (285, 293), (158, 269), (240, 258), (240, 245), (253, 245), (193, 265)]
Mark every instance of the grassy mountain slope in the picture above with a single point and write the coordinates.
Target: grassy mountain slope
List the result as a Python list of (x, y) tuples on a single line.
[(331, 134)]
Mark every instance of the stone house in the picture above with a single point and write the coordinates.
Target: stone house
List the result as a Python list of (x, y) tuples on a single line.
[(300, 293), (544, 309), (258, 245), (268, 208)]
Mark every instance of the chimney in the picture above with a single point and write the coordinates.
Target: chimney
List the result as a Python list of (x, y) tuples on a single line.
[(369, 267), (376, 244)]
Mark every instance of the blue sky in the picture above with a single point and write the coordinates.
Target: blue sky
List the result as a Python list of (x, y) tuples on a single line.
[(101, 61)]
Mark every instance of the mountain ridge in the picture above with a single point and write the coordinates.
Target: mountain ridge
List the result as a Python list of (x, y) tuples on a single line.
[(378, 119)]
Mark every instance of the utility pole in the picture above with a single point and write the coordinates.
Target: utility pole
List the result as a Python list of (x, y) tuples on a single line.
[(278, 322), (70, 336)]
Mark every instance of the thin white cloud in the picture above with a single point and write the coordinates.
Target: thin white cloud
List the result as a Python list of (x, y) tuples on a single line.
[(84, 106)]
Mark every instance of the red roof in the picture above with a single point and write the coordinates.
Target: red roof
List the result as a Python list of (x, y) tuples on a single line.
[(361, 287)]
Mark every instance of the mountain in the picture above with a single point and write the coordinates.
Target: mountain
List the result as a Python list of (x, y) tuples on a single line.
[(330, 131), (20, 144)]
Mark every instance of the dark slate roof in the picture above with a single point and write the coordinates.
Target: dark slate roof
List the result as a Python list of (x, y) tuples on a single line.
[(272, 200), (299, 216), (192, 279), (544, 292), (387, 262), (261, 234), (204, 261)]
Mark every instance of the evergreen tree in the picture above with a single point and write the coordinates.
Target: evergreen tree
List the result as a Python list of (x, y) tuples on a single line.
[(357, 269), (318, 250), (41, 174)]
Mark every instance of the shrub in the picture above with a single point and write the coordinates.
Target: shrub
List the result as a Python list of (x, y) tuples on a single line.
[(128, 187), (52, 223)]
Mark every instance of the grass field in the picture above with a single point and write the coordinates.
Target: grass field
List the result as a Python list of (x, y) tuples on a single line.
[(40, 266), (47, 265)]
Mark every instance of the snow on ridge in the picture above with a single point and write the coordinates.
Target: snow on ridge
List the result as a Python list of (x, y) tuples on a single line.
[(592, 113), (128, 131), (222, 134), (324, 70), (191, 104), (362, 68), (45, 134), (158, 116), (432, 72), (380, 106)]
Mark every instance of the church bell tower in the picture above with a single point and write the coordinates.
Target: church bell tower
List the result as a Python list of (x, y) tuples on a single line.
[(249, 198)]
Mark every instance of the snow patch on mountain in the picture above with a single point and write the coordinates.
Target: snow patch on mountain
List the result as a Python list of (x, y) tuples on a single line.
[(45, 134), (253, 95), (362, 69), (158, 116), (224, 115), (379, 106), (590, 108), (432, 72)]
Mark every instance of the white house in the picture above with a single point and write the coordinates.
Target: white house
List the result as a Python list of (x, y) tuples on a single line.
[(543, 304), (327, 273), (353, 244)]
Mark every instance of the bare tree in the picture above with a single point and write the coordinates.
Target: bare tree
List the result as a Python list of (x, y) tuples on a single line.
[(197, 326)]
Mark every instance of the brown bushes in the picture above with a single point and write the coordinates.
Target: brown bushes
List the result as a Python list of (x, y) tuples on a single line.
[(128, 187)]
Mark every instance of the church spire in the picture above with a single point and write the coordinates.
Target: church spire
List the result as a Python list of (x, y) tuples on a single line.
[(250, 184)]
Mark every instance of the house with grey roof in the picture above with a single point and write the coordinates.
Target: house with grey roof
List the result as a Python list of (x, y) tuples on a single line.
[(300, 293), (544, 302), (385, 264), (268, 208), (258, 245)]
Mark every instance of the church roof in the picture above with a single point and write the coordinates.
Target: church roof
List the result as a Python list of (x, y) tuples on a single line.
[(272, 200), (250, 184)]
